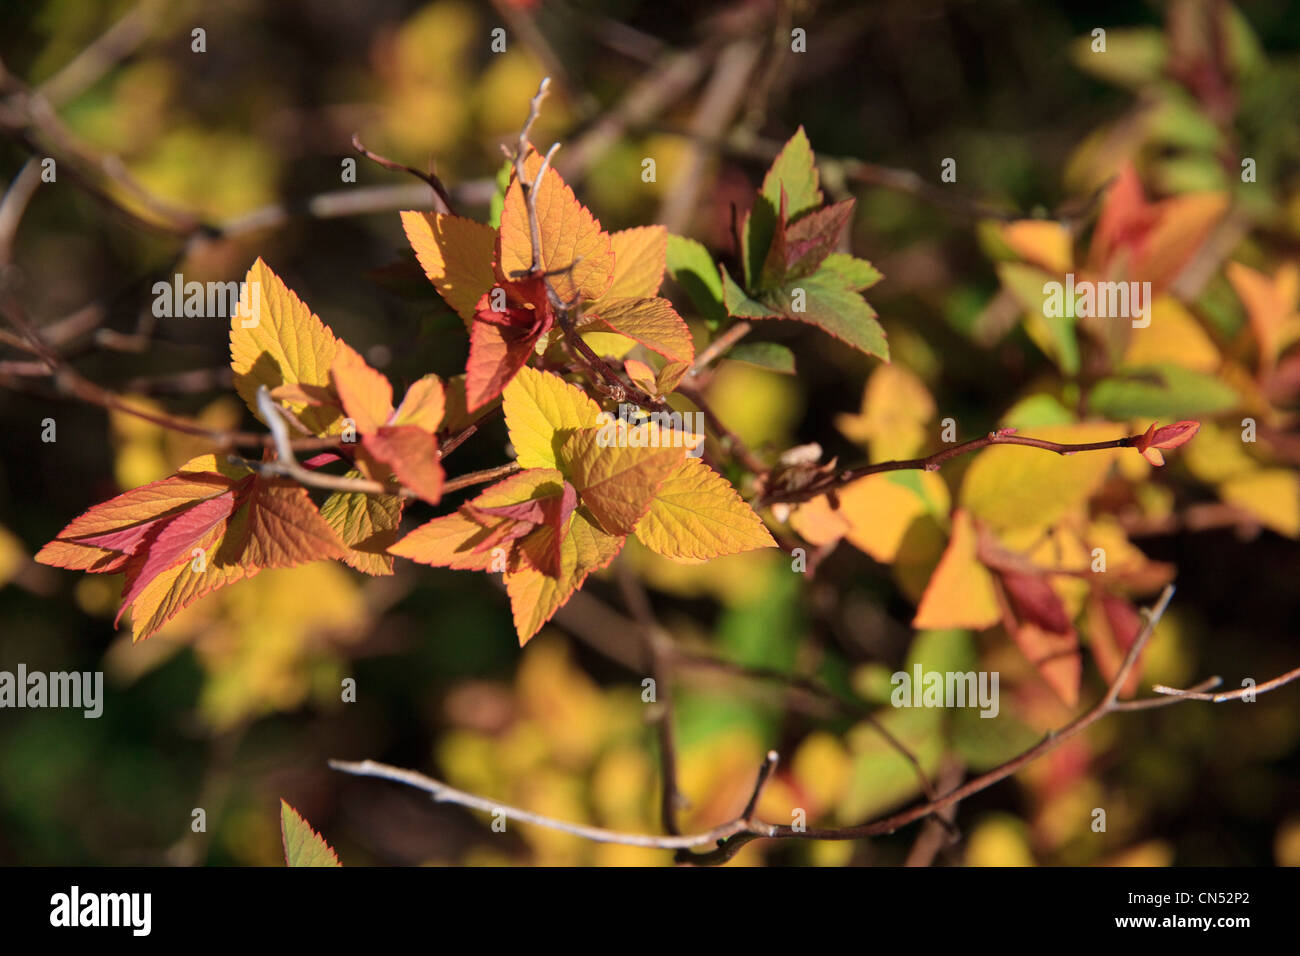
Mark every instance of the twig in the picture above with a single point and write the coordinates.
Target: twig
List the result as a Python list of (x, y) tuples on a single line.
[(14, 204), (719, 346), (1196, 693), (732, 836), (658, 665), (288, 465), (434, 182), (1003, 436)]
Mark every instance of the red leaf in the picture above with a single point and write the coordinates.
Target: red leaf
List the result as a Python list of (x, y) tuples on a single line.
[(1034, 601)]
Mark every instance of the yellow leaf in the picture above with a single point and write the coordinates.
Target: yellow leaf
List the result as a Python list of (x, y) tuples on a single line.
[(817, 522), (367, 524), (652, 322), (573, 246), (896, 406), (618, 482), (639, 259), (697, 515), (1040, 242), (1271, 494), (542, 410), (1012, 484), (276, 340), (960, 593), (879, 510), (367, 396), (1174, 336), (456, 255)]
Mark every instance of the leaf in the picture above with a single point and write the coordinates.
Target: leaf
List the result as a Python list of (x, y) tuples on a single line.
[(367, 524), (1055, 656), (542, 410), (170, 541), (284, 528), (1113, 626), (572, 243), (960, 593), (836, 309), (1162, 391), (857, 274), (640, 256), (366, 394), (451, 541), (423, 406), (535, 597), (1272, 495), (500, 343), (691, 267), (616, 483), (652, 322), (1015, 486), (498, 201), (412, 454), (1170, 436), (1270, 305), (794, 171), (456, 254), (789, 189), (1040, 242), (739, 305), (769, 355), (798, 250), (878, 510), (896, 409), (303, 846), (240, 521), (697, 515), (276, 340), (1033, 600)]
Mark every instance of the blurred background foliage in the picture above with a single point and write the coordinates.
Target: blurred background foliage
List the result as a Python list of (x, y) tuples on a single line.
[(237, 703)]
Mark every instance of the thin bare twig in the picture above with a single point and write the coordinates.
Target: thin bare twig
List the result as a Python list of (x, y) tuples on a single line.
[(730, 837)]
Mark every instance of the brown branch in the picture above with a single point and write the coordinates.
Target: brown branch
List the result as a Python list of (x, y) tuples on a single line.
[(658, 657), (1004, 436), (730, 837), (444, 197)]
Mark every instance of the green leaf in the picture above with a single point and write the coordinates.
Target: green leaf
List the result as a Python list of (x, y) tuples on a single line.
[(498, 201), (795, 171), (768, 355), (739, 305), (1163, 391), (692, 268), (857, 274), (303, 846), (836, 309)]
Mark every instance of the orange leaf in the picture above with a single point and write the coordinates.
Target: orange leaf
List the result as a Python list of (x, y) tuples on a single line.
[(423, 406), (456, 255), (366, 394), (573, 246), (652, 322), (616, 483), (960, 592), (640, 256), (276, 340), (412, 453)]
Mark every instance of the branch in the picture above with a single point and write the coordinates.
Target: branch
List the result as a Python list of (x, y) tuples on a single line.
[(1003, 436), (288, 465), (729, 837), (657, 658), (444, 197)]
